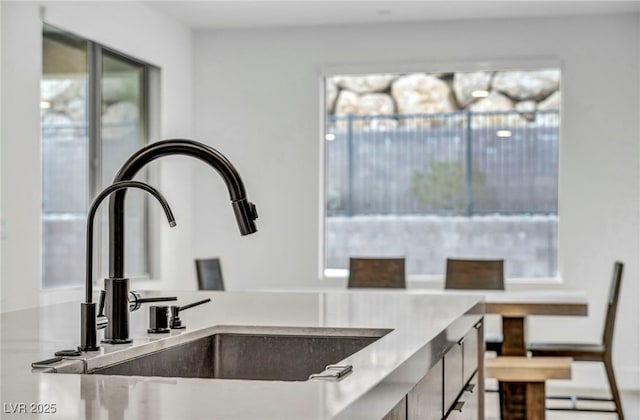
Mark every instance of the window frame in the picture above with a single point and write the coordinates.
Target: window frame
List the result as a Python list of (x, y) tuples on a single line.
[(150, 123), (433, 66)]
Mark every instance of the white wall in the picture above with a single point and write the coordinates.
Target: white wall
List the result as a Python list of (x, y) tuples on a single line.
[(257, 101), (132, 28)]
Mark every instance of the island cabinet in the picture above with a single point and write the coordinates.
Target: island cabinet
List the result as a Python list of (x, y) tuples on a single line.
[(451, 389)]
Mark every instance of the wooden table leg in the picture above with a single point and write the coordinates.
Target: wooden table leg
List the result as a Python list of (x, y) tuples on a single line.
[(512, 400), (513, 395), (523, 400), (535, 401), (513, 343)]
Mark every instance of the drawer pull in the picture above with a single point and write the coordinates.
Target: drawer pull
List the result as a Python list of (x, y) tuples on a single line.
[(469, 388), (459, 406), (461, 341), (478, 325)]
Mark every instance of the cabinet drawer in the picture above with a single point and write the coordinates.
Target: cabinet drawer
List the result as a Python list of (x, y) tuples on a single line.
[(453, 362), (466, 407), (470, 354), (424, 401)]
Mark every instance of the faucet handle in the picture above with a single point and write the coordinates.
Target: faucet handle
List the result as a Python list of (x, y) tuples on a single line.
[(136, 300)]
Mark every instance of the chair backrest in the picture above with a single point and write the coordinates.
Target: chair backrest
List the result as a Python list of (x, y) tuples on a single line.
[(474, 274), (377, 272), (612, 306), (209, 274)]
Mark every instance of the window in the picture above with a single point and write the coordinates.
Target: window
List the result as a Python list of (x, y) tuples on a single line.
[(454, 164), (95, 111)]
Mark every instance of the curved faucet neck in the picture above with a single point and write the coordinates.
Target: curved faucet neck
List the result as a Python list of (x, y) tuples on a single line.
[(88, 315), (185, 147), (245, 211), (117, 186)]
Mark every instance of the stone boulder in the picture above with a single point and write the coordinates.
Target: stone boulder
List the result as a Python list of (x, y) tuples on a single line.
[(66, 97), (60, 90), (346, 103), (120, 120), (349, 102), (464, 84), (77, 109), (421, 93), (495, 106), (527, 109), (549, 104), (376, 104), (527, 85), (116, 89), (370, 83)]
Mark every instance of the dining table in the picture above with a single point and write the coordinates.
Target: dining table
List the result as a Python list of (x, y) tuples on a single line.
[(515, 308)]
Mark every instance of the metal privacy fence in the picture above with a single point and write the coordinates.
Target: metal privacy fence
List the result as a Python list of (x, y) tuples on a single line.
[(66, 197), (66, 162), (458, 163)]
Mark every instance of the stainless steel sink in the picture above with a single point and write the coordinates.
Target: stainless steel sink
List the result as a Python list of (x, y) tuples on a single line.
[(274, 354)]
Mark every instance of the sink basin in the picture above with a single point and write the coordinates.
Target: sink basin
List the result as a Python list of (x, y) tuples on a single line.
[(286, 355)]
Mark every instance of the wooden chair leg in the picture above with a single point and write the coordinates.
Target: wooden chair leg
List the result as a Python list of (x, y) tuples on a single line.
[(608, 365)]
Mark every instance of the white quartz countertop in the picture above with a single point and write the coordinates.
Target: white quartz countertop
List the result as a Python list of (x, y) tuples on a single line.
[(423, 327)]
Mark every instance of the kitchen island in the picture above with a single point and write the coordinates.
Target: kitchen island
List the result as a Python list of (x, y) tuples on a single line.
[(430, 353)]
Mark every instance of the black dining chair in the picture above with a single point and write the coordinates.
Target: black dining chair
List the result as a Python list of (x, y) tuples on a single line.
[(377, 272), (209, 274), (477, 274), (596, 352)]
